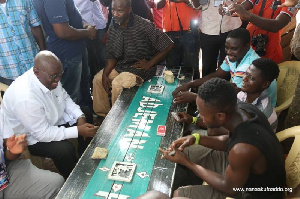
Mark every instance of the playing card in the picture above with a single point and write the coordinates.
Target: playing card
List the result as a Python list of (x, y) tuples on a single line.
[(161, 130)]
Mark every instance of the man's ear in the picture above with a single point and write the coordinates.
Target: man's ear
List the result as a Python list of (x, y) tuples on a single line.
[(221, 116), (266, 85), (35, 71)]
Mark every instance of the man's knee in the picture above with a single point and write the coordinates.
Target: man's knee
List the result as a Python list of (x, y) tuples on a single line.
[(125, 80), (98, 78), (65, 150)]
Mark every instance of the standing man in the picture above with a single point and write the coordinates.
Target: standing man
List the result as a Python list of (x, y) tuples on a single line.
[(265, 25), (21, 38), (36, 104), (253, 165), (180, 24), (94, 13), (62, 23), (134, 46), (214, 29)]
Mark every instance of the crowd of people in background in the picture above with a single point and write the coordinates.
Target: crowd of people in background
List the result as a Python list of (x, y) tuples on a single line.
[(67, 61)]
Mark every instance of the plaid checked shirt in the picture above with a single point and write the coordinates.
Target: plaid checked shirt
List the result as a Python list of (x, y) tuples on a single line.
[(17, 44)]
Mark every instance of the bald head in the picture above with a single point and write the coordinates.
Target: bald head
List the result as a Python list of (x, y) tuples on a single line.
[(48, 69), (125, 3), (46, 59)]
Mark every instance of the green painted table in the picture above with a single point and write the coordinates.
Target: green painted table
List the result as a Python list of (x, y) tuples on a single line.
[(129, 133)]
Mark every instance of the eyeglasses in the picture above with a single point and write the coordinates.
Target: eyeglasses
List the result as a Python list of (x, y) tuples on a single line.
[(54, 77)]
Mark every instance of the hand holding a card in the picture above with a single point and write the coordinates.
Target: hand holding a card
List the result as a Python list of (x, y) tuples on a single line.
[(184, 117), (185, 97), (183, 142), (175, 156)]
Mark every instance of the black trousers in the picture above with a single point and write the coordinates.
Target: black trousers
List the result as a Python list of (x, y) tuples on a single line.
[(61, 152), (212, 46)]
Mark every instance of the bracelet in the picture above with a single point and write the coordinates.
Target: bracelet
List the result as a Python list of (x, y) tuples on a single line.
[(197, 136), (194, 120)]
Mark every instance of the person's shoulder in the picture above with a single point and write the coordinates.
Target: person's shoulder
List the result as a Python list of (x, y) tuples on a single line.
[(243, 154), (141, 20)]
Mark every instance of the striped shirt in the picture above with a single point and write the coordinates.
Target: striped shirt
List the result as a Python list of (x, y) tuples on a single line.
[(263, 103), (139, 40), (237, 72), (17, 44)]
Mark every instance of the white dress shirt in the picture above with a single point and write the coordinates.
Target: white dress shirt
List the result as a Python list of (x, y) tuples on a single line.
[(92, 13), (29, 107), (212, 23)]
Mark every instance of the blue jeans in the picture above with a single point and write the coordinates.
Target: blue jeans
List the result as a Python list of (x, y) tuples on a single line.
[(186, 50), (72, 76)]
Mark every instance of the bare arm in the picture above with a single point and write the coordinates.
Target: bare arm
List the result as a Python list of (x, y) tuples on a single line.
[(39, 37), (289, 3), (109, 66), (271, 25), (144, 64), (242, 158), (198, 82), (65, 31)]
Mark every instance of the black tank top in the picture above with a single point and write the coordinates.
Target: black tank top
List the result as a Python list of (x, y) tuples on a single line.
[(258, 132)]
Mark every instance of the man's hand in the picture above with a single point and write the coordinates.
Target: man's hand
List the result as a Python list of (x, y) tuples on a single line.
[(289, 3), (185, 97), (239, 10), (87, 130), (184, 117), (142, 64), (221, 10), (183, 142), (17, 144), (179, 157), (92, 32), (182, 88), (106, 83), (81, 121)]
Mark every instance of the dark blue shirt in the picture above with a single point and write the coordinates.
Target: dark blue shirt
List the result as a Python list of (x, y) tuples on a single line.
[(60, 11)]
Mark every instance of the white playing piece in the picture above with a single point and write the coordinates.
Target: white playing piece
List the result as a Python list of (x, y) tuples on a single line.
[(122, 171), (175, 115), (157, 89), (116, 187), (104, 169), (143, 174)]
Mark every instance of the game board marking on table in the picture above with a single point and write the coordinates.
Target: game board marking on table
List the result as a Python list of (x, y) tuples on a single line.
[(138, 131)]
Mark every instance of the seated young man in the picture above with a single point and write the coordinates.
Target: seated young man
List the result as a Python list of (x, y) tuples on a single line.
[(256, 80), (20, 178), (239, 58), (133, 48), (253, 165)]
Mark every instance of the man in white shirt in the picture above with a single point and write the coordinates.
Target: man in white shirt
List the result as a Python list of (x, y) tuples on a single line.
[(19, 178), (94, 13), (36, 104), (214, 29)]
